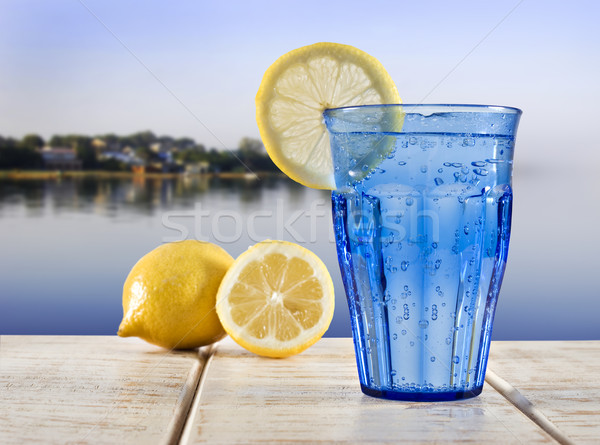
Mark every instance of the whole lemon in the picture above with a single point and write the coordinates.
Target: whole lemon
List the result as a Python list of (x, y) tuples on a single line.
[(170, 294)]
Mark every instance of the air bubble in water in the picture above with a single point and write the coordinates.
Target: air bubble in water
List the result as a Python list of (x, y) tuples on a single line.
[(423, 169), (427, 144), (412, 140), (403, 332), (401, 163), (456, 359), (432, 359), (466, 229), (438, 181), (423, 324), (409, 201), (404, 265), (395, 337)]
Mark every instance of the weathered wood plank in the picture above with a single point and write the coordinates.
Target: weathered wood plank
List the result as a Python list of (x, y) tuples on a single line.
[(315, 396), (526, 407), (560, 378), (93, 390)]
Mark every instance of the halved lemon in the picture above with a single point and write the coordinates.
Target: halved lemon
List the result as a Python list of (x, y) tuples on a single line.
[(296, 90), (276, 299)]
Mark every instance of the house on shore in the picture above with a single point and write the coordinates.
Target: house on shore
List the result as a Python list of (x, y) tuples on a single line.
[(98, 144), (60, 158), (126, 158), (197, 168), (101, 146)]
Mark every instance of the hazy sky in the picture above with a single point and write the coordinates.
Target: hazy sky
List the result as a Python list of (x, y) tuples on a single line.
[(63, 71)]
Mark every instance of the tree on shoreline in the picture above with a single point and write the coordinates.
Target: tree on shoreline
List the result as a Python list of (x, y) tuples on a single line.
[(146, 148), (32, 141), (18, 154)]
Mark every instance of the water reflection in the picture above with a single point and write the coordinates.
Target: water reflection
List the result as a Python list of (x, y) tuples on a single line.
[(67, 244), (144, 195)]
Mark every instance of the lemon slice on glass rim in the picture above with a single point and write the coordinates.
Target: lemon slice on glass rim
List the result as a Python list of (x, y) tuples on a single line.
[(276, 299), (295, 91)]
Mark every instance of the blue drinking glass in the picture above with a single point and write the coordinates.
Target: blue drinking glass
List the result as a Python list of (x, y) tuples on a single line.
[(422, 216)]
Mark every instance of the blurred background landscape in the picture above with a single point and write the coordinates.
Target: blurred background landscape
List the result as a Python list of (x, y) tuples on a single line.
[(127, 124)]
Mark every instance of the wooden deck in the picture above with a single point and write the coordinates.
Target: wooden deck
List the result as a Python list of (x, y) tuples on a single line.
[(60, 389)]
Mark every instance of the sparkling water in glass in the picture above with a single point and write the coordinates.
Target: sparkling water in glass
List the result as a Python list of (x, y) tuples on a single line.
[(422, 215)]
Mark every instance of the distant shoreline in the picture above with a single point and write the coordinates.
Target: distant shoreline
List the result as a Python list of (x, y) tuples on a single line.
[(56, 174)]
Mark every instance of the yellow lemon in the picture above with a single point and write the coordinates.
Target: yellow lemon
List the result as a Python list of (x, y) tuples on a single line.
[(169, 296), (277, 299), (295, 91)]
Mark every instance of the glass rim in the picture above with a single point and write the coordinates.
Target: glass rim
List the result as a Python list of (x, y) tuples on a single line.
[(433, 108)]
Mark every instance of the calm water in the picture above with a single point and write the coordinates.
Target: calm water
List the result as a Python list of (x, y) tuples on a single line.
[(67, 245)]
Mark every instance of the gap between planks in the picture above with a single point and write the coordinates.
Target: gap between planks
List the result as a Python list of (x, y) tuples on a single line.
[(184, 414), (179, 429), (520, 402)]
